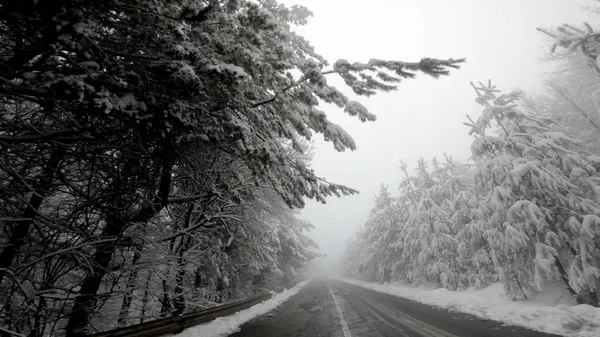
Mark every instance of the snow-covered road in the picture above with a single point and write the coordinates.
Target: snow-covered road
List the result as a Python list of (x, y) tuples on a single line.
[(331, 308)]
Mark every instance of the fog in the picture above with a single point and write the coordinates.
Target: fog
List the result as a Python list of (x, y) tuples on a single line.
[(424, 117)]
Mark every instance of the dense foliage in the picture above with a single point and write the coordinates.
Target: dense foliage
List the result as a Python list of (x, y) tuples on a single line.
[(151, 153), (524, 212)]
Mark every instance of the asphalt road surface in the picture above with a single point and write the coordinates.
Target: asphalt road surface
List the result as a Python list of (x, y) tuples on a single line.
[(330, 308)]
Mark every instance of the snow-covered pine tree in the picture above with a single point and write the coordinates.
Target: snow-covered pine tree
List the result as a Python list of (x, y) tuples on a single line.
[(351, 266), (570, 88), (370, 256), (440, 242), (585, 42), (473, 259), (538, 200), (429, 243), (382, 232), (424, 235), (454, 191)]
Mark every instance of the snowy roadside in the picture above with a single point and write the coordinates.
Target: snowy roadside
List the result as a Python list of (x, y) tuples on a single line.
[(225, 326), (490, 303)]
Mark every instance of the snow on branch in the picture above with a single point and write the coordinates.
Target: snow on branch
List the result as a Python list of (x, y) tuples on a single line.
[(354, 108), (366, 79), (585, 41)]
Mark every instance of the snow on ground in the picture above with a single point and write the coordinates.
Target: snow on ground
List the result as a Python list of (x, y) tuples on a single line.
[(225, 326), (545, 312)]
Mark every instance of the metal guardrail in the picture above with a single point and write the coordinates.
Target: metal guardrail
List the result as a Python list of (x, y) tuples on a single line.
[(177, 324)]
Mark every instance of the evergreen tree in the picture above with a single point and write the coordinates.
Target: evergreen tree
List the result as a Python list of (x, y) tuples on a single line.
[(425, 235), (537, 199), (369, 256)]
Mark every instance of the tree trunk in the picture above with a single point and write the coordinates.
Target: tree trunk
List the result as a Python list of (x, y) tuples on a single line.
[(146, 296), (219, 290), (593, 299), (124, 312), (520, 287), (186, 241), (564, 276), (38, 327), (387, 275), (197, 278), (86, 300), (165, 307), (21, 228), (179, 301)]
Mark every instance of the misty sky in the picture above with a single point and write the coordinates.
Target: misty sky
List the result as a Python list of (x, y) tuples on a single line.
[(424, 118)]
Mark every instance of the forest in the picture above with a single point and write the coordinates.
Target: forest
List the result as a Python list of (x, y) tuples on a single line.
[(524, 210), (154, 154)]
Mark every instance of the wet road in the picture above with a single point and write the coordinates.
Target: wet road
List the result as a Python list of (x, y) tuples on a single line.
[(331, 308)]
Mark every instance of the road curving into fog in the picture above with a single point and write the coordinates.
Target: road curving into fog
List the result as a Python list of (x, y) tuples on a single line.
[(331, 308)]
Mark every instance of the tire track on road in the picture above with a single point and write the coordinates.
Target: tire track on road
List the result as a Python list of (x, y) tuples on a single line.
[(405, 325), (417, 319)]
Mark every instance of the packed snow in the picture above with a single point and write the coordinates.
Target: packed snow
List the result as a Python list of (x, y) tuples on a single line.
[(547, 312), (225, 326)]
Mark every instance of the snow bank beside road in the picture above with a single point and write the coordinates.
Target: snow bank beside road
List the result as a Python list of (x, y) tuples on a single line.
[(491, 303), (225, 326)]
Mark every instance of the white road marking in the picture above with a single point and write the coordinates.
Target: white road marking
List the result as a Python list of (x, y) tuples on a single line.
[(345, 328)]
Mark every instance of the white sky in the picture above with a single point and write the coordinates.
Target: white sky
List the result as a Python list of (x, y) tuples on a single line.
[(424, 118)]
